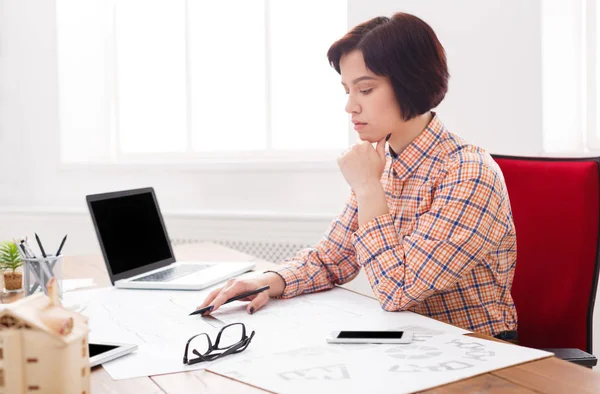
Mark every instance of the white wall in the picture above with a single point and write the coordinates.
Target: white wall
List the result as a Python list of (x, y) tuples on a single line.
[(29, 125), (494, 100), (494, 57)]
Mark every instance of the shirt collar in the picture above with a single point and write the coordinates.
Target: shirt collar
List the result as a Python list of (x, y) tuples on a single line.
[(420, 148)]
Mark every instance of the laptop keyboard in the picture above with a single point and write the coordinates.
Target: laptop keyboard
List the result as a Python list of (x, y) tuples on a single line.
[(171, 273)]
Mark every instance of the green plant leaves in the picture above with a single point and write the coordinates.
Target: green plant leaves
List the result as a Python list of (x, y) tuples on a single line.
[(9, 256)]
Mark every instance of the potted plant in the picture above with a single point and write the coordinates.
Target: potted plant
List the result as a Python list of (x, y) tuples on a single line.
[(10, 260)]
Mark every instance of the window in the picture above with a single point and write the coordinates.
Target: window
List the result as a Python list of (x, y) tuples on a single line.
[(570, 76), (193, 80)]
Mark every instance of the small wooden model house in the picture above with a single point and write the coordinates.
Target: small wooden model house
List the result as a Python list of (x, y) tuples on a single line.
[(43, 347)]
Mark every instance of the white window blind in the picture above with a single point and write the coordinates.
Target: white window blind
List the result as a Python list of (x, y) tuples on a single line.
[(188, 80), (150, 69), (570, 76)]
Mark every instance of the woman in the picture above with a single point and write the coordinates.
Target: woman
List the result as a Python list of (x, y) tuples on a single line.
[(430, 221)]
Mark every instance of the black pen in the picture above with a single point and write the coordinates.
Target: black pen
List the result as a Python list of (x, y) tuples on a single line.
[(27, 249), (237, 297), (25, 255), (60, 247), (40, 244)]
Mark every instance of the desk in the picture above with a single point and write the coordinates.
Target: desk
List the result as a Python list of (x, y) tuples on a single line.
[(549, 375)]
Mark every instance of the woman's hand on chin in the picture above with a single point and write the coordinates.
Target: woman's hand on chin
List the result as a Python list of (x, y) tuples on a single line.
[(363, 164)]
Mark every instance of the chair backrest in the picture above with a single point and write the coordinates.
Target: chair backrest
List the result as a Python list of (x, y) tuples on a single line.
[(556, 210)]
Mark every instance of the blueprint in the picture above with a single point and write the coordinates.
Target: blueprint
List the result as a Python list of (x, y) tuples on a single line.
[(158, 322), (434, 360)]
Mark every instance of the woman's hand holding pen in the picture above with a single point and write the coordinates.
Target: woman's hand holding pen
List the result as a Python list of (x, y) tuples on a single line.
[(217, 297)]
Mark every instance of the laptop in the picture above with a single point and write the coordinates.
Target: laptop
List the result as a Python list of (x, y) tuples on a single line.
[(136, 247)]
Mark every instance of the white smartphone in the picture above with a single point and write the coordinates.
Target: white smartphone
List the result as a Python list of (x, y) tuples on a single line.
[(370, 337)]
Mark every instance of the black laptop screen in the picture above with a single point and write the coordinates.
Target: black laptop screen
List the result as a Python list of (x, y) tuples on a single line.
[(131, 231)]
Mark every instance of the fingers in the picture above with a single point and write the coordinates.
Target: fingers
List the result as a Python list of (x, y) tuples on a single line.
[(219, 296), (211, 296), (258, 302), (232, 290)]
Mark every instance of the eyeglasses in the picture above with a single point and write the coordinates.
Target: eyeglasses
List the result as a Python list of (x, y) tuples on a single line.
[(231, 339)]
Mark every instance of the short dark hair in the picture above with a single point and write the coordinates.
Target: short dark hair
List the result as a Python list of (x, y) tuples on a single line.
[(406, 50)]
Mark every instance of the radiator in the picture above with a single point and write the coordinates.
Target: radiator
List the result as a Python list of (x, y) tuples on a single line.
[(274, 252)]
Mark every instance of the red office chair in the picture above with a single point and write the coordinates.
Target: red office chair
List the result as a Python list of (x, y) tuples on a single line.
[(556, 210)]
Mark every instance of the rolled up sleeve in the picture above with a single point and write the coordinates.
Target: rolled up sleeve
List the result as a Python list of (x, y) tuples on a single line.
[(331, 261)]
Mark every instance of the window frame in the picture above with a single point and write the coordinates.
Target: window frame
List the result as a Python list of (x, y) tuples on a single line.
[(590, 79), (267, 160), (325, 161)]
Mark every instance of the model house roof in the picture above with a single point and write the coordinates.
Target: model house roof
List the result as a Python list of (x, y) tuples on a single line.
[(41, 312)]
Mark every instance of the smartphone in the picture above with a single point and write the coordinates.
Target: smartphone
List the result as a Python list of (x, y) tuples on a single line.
[(370, 337), (104, 352)]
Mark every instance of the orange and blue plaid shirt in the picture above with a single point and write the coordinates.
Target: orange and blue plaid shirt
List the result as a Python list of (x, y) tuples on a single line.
[(446, 249)]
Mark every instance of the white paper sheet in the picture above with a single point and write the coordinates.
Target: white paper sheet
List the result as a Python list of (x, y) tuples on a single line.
[(428, 362), (74, 284), (158, 322), (151, 359), (336, 309)]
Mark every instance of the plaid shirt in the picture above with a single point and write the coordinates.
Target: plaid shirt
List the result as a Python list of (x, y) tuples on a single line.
[(446, 249)]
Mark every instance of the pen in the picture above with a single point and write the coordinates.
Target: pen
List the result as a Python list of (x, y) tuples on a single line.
[(60, 247), (40, 244), (27, 249), (237, 297), (22, 251)]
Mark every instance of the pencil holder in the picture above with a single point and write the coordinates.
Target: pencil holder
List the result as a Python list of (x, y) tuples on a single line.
[(37, 272)]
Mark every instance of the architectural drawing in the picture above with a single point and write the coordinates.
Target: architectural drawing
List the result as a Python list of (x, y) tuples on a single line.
[(413, 352), (441, 359), (235, 375), (330, 372), (290, 340), (474, 350), (312, 351), (421, 334), (439, 367)]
